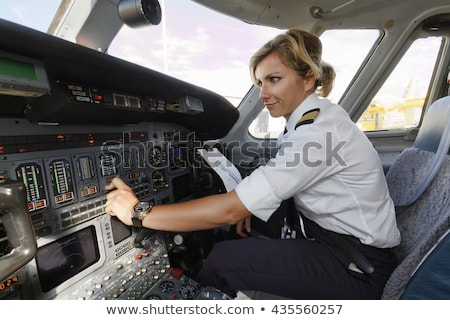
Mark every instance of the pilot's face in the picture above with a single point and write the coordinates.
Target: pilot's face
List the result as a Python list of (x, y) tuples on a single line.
[(282, 89)]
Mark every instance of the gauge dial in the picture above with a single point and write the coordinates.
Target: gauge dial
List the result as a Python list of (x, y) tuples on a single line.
[(187, 291), (166, 286), (156, 157), (159, 180)]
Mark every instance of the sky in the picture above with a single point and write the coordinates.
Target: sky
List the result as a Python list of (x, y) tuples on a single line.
[(31, 13)]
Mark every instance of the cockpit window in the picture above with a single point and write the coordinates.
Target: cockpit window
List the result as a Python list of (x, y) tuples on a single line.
[(399, 102), (346, 50), (192, 43), (196, 45)]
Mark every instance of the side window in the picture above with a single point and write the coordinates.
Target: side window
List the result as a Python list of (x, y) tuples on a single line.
[(399, 102), (355, 43), (265, 126)]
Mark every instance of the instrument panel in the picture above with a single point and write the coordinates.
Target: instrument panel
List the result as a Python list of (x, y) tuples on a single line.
[(102, 117), (77, 241), (67, 186)]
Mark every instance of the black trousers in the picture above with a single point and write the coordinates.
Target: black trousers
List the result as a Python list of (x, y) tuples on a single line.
[(295, 269)]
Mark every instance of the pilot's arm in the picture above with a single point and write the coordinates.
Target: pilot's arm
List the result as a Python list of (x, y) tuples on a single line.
[(199, 214)]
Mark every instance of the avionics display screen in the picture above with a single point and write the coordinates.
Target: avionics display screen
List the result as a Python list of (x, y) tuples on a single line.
[(120, 231), (22, 76), (60, 260), (32, 176), (180, 187), (62, 181), (18, 69)]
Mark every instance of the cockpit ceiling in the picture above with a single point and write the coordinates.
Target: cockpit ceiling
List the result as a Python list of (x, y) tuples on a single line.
[(312, 14)]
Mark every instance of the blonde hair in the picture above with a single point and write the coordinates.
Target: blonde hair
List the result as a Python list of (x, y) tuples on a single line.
[(301, 51)]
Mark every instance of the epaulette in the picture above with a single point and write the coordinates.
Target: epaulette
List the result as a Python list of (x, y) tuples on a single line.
[(308, 117)]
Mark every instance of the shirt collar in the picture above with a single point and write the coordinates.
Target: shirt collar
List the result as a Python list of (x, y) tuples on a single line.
[(310, 102)]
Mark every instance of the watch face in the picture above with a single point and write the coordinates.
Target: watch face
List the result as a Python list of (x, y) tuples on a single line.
[(142, 207)]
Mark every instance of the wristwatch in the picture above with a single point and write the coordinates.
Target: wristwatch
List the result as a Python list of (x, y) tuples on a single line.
[(140, 211)]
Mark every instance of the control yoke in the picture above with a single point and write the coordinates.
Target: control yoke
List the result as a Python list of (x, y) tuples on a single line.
[(17, 222)]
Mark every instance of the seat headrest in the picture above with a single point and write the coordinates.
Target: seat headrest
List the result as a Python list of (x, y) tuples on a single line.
[(436, 119)]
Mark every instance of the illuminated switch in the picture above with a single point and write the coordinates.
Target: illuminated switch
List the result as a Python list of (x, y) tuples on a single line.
[(176, 272), (98, 98)]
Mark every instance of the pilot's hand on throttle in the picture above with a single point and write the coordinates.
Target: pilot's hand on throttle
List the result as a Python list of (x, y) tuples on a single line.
[(120, 200), (243, 227)]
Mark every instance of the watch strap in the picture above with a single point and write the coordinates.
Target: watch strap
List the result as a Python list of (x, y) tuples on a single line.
[(137, 222)]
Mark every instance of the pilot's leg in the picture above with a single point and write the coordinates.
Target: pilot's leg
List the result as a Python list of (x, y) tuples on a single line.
[(298, 269)]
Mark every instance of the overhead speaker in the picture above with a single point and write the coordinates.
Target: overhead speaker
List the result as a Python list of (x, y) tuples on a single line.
[(139, 13)]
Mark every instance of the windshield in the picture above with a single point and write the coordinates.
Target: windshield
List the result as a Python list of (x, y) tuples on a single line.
[(192, 43), (201, 46), (196, 45)]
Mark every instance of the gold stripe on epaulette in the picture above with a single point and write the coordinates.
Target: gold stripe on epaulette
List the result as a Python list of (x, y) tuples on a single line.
[(308, 117)]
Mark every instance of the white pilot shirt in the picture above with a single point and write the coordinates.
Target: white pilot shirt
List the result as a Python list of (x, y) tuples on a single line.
[(334, 174)]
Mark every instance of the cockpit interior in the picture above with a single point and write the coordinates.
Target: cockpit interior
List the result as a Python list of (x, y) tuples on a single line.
[(73, 117)]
